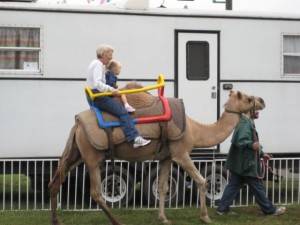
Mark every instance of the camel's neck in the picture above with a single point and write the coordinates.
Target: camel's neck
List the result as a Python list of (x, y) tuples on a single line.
[(209, 135)]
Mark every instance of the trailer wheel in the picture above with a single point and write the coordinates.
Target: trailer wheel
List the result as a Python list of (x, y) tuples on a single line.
[(215, 186), (175, 193), (116, 189)]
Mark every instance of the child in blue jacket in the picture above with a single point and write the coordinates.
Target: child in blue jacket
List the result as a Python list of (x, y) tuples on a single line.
[(113, 70)]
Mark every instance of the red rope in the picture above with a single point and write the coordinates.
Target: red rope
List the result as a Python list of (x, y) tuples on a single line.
[(255, 139)]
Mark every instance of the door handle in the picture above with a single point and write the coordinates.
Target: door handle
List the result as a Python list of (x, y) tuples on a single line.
[(227, 86), (214, 95)]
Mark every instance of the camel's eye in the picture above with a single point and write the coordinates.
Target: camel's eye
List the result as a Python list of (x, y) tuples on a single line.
[(249, 99)]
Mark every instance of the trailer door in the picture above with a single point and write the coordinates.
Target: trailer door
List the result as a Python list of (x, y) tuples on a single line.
[(197, 59)]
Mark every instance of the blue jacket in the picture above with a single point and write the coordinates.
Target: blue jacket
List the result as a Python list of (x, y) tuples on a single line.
[(111, 79)]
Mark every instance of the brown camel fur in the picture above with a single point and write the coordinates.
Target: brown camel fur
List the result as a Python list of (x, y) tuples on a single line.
[(79, 149)]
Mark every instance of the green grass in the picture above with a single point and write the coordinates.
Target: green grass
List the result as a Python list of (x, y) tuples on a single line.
[(188, 216)]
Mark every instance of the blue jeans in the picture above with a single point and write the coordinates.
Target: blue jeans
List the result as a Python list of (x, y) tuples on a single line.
[(109, 105), (236, 182)]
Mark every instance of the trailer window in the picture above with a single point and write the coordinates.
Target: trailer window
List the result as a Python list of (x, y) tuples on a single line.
[(291, 55), (20, 50), (197, 60)]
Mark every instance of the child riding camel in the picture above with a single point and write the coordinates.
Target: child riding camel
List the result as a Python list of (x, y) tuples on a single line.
[(113, 70)]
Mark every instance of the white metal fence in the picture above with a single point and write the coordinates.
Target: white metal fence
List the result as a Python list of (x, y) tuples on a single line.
[(23, 185)]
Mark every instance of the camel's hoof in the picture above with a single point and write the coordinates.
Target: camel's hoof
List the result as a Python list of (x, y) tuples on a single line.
[(56, 223), (118, 223), (206, 219), (166, 221)]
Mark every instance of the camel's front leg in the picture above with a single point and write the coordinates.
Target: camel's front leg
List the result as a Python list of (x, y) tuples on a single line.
[(187, 164), (163, 187)]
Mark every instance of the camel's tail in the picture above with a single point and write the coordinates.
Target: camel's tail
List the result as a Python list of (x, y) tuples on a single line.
[(68, 160), (68, 153)]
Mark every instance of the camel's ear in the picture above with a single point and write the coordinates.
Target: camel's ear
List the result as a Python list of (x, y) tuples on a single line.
[(239, 95), (230, 93)]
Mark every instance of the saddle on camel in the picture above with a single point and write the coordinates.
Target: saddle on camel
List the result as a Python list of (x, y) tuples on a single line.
[(173, 135), (152, 117)]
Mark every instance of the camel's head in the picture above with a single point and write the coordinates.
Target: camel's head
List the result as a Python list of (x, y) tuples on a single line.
[(241, 103)]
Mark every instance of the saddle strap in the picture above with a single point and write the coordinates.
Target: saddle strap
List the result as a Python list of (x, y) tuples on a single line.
[(108, 132), (162, 149)]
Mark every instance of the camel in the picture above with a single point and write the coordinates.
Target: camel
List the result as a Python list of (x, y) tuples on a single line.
[(196, 135)]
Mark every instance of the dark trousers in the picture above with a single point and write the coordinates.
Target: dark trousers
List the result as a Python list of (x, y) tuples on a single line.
[(236, 182)]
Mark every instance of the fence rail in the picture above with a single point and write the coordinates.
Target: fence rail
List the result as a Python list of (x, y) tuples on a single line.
[(23, 185)]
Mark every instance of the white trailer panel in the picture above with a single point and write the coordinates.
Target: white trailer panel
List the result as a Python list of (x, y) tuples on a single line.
[(245, 49)]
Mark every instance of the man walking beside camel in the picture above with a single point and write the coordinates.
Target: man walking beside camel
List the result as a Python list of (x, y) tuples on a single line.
[(243, 161)]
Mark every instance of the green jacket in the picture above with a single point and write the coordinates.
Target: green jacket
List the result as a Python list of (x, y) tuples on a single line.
[(241, 156)]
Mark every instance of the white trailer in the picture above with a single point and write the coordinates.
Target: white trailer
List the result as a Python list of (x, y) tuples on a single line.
[(202, 54)]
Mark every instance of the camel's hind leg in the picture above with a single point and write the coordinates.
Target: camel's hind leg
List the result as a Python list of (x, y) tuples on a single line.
[(95, 180), (92, 159), (69, 160), (187, 164), (163, 187)]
